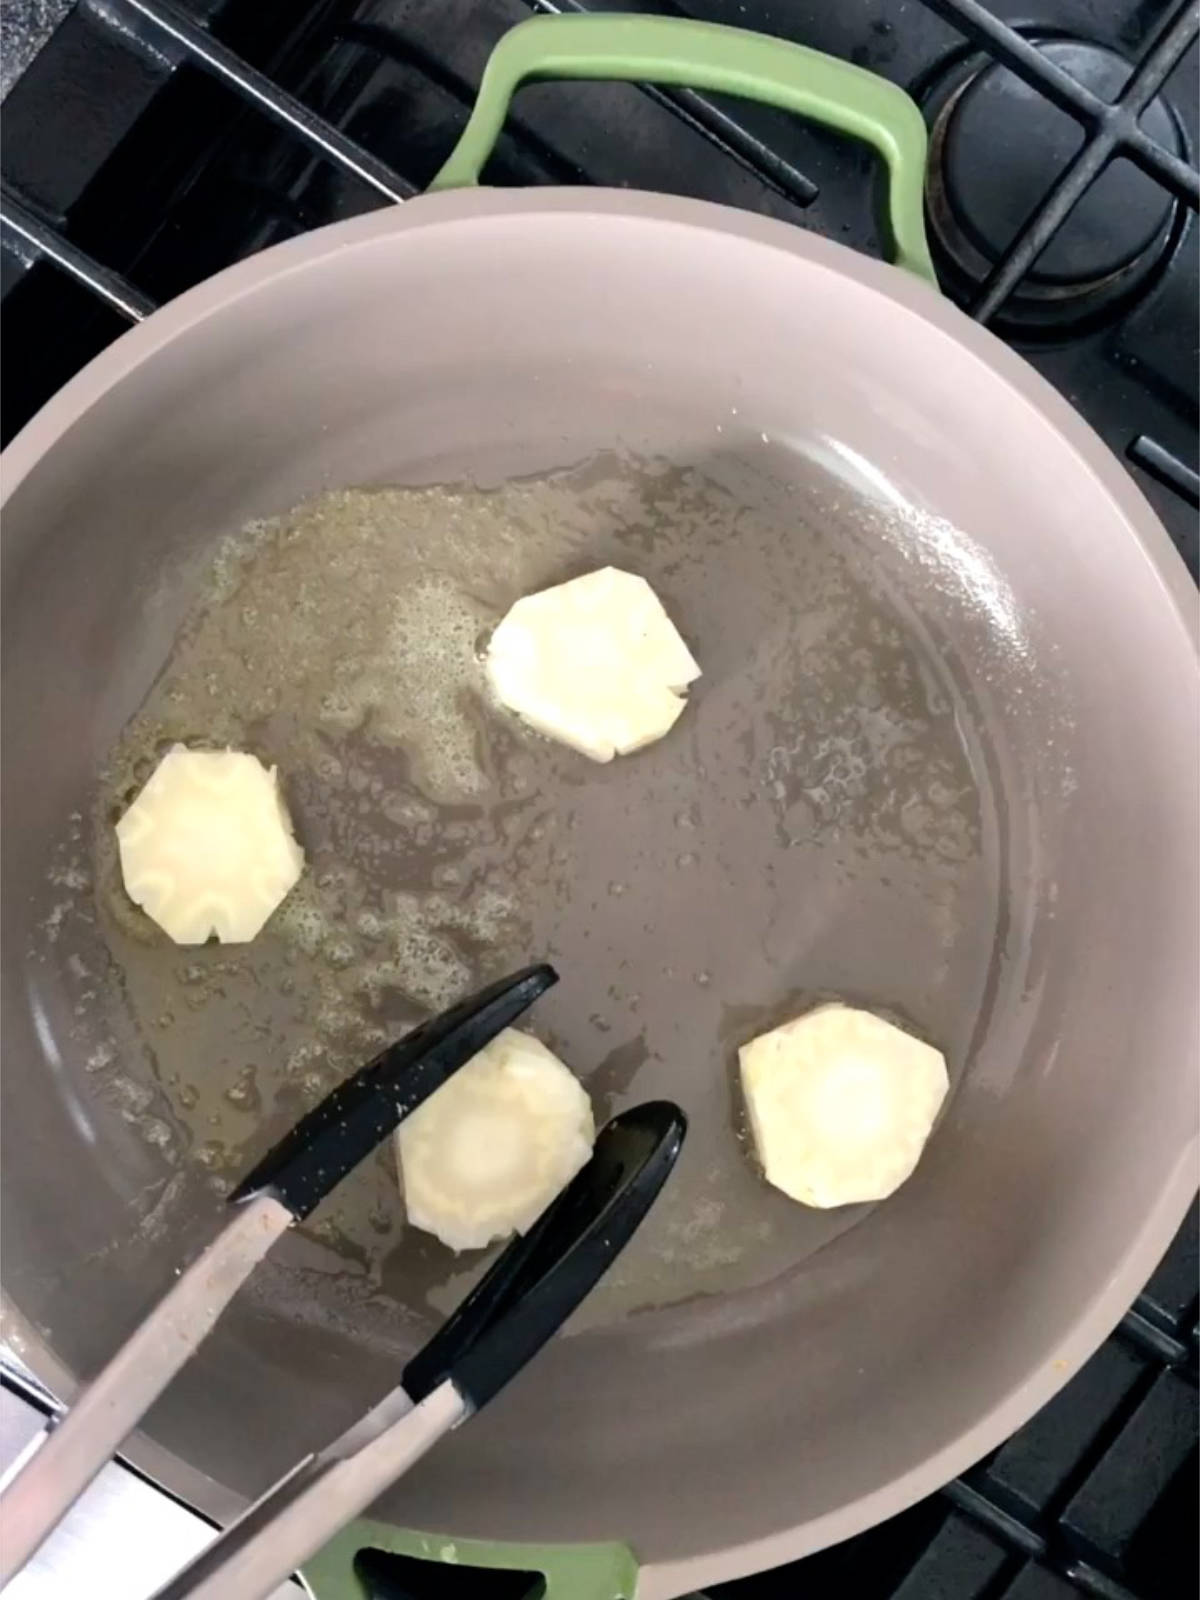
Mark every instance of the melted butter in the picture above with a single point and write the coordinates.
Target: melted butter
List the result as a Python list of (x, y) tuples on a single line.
[(813, 824)]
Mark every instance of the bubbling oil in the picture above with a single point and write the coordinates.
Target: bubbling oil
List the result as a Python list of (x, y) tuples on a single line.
[(812, 825)]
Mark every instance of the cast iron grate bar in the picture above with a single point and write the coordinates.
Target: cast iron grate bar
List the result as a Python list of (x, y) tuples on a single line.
[(703, 116), (394, 47), (1177, 37), (1158, 461), (1115, 130), (1010, 1530), (1018, 1536), (47, 242), (1022, 57), (1153, 1340), (1095, 1583), (261, 91)]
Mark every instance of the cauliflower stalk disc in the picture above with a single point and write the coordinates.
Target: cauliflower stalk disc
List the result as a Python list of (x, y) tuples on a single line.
[(207, 846), (841, 1104), (486, 1154), (595, 663)]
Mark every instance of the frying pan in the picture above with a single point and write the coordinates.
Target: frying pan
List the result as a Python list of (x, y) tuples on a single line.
[(941, 761)]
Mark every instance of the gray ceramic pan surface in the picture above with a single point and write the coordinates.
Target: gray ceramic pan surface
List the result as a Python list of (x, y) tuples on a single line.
[(942, 760)]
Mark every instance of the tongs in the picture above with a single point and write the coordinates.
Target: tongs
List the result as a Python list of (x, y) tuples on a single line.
[(526, 1295)]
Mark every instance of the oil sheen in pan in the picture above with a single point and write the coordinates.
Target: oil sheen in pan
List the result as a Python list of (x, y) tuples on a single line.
[(814, 825)]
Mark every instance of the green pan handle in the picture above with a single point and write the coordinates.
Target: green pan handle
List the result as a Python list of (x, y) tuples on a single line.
[(705, 55), (568, 1571)]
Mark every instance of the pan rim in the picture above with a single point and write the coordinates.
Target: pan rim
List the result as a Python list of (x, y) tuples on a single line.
[(916, 300), (458, 207)]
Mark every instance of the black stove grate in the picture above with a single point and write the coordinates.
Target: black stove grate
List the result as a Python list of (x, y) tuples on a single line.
[(149, 145)]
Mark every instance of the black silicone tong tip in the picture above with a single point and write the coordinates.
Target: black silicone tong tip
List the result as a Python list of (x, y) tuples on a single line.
[(331, 1139), (541, 1278)]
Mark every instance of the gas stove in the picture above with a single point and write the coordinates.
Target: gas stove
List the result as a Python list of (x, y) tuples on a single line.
[(147, 144)]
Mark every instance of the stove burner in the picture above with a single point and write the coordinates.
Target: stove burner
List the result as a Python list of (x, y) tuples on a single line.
[(996, 147)]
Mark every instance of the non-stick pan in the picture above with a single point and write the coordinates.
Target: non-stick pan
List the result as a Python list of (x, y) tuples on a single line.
[(941, 762)]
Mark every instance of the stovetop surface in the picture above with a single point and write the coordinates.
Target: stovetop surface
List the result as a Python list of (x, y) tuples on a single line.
[(133, 168)]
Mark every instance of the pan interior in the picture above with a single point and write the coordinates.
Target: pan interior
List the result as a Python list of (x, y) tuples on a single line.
[(813, 827), (929, 767)]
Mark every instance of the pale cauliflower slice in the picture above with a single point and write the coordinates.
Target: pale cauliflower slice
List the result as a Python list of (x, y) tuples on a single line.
[(840, 1104), (207, 846), (487, 1153), (595, 663)]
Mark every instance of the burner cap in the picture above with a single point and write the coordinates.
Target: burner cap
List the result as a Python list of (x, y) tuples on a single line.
[(1004, 144)]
